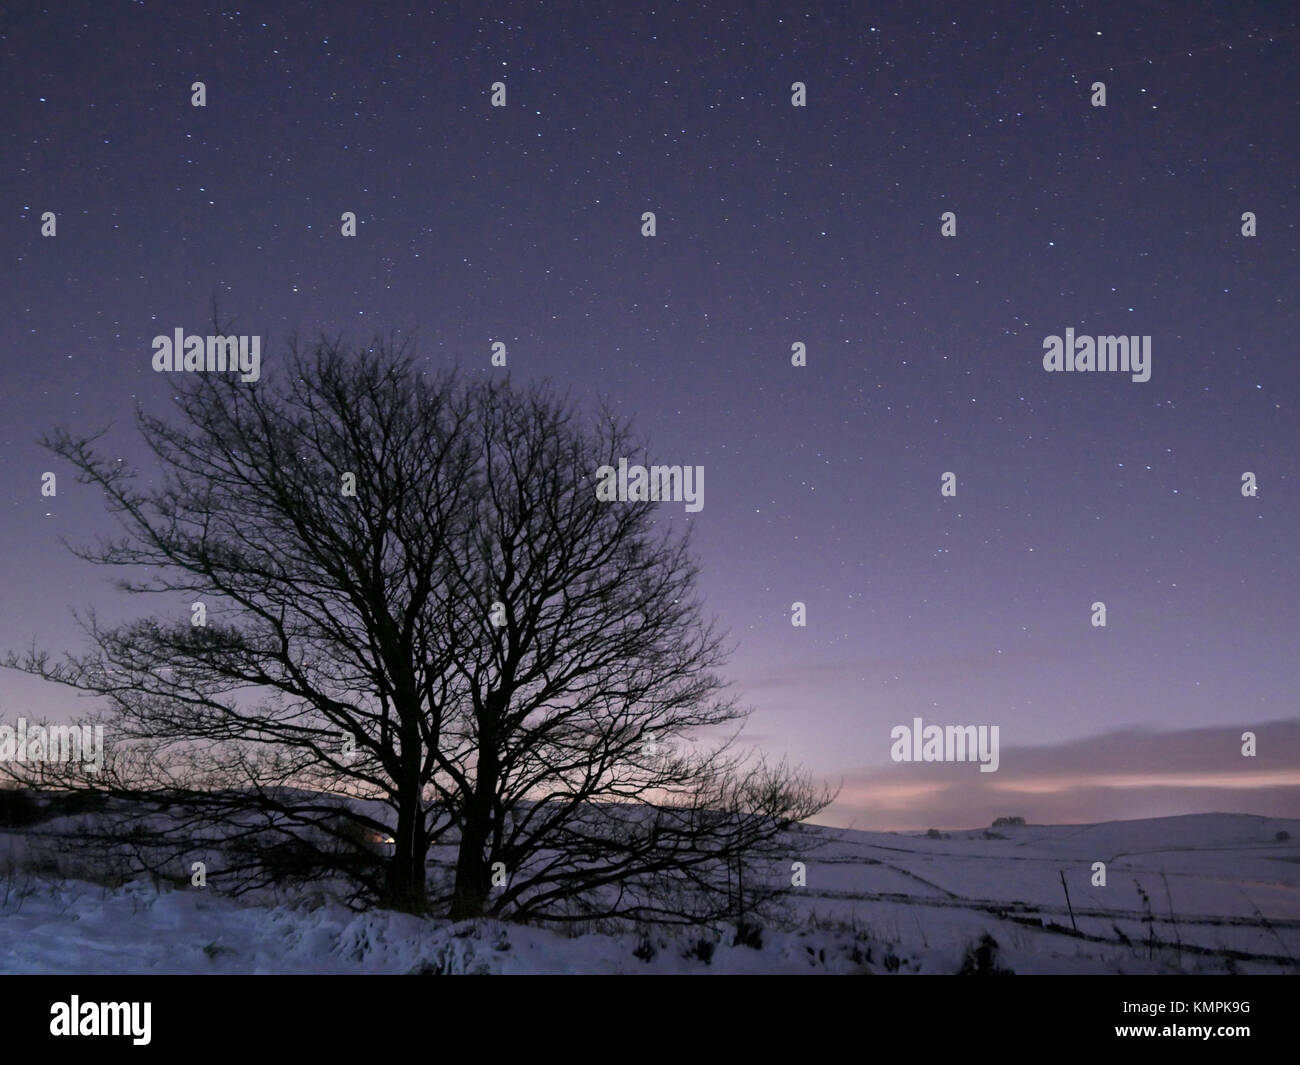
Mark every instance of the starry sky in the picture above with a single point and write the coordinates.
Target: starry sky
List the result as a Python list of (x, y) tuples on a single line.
[(776, 224)]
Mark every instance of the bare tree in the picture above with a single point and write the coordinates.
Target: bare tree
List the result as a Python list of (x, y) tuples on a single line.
[(589, 669), (309, 522), (411, 620)]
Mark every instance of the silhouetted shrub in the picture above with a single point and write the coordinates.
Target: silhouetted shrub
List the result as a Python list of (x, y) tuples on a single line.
[(748, 935), (19, 808), (982, 959), (703, 949), (72, 803)]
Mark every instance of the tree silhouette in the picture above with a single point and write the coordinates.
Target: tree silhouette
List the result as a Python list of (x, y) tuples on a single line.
[(411, 620)]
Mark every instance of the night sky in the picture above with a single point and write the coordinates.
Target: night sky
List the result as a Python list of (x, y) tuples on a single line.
[(776, 224)]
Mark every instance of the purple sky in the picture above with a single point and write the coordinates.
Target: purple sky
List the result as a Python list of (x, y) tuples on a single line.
[(776, 224)]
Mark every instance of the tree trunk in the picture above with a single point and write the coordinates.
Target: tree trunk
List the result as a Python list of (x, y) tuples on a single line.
[(473, 873), (405, 887)]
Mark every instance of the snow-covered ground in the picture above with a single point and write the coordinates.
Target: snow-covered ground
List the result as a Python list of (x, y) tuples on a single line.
[(1222, 895)]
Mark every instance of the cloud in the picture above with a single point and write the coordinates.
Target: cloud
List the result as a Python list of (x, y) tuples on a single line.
[(1119, 775)]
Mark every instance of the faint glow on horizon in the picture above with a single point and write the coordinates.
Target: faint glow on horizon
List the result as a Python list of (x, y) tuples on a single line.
[(1283, 778), (889, 796)]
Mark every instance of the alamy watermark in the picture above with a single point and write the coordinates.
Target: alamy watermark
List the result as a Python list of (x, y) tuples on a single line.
[(102, 1018), (946, 743), (1114, 354), (677, 484), (209, 354), (53, 743)]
